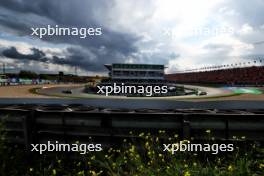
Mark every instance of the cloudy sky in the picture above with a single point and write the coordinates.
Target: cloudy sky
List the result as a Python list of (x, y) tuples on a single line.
[(180, 34)]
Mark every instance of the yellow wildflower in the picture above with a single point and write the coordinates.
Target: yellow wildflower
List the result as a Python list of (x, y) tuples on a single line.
[(187, 173), (54, 172), (208, 131), (230, 168)]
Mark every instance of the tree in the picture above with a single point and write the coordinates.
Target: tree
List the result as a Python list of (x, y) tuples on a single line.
[(43, 77), (28, 74)]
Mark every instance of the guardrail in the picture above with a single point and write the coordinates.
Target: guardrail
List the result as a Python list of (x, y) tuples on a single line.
[(37, 124)]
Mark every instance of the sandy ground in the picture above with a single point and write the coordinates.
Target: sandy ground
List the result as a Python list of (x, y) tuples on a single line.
[(23, 91)]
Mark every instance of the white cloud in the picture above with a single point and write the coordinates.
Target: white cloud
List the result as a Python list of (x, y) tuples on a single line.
[(246, 29)]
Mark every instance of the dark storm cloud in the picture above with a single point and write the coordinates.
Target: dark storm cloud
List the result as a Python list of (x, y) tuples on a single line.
[(9, 23), (86, 61), (75, 58), (36, 55), (21, 15)]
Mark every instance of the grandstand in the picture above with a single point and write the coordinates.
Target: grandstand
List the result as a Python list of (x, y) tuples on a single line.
[(137, 75), (118, 71), (234, 76)]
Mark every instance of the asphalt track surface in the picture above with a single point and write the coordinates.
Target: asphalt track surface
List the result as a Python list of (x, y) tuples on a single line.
[(78, 92), (138, 103)]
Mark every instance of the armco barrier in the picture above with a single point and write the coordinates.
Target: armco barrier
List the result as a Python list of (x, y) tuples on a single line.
[(37, 124)]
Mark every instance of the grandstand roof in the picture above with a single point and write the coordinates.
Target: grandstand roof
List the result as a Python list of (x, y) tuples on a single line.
[(134, 66)]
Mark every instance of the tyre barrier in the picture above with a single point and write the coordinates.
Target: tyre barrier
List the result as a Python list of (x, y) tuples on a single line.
[(27, 124)]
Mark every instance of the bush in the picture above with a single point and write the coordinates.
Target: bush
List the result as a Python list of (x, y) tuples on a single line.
[(141, 155)]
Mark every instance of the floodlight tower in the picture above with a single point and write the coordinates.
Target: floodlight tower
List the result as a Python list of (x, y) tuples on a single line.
[(4, 68), (75, 71)]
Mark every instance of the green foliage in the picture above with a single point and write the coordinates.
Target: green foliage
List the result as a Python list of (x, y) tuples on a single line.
[(28, 74), (141, 155), (43, 76)]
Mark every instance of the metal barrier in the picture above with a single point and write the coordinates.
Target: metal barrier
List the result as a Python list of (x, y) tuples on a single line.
[(26, 124)]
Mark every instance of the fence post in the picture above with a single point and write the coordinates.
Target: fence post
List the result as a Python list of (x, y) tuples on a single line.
[(186, 128), (106, 124), (64, 127), (28, 128), (106, 121), (226, 129)]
